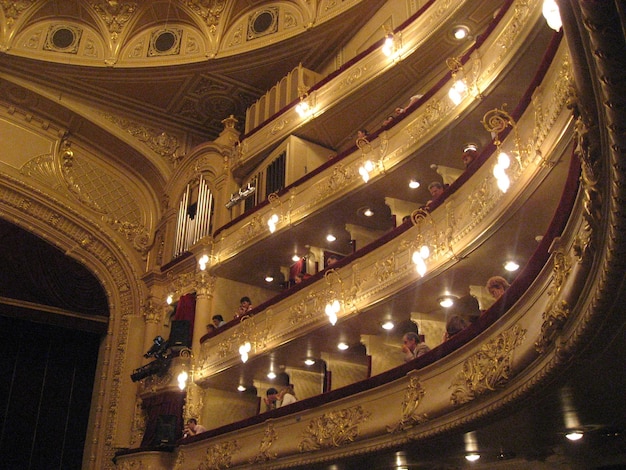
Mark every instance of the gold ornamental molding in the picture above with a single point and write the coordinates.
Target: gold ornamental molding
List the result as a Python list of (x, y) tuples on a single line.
[(333, 429), (220, 456), (269, 437), (412, 400), (557, 311), (489, 369)]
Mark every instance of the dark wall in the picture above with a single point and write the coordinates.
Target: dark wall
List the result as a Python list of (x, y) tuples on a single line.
[(46, 381)]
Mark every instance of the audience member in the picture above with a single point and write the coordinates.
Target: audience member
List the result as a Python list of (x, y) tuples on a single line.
[(301, 277), (210, 328), (287, 396), (331, 259), (192, 428), (469, 155), (496, 286), (361, 134), (245, 305), (413, 347), (271, 399), (435, 189), (218, 321), (454, 324)]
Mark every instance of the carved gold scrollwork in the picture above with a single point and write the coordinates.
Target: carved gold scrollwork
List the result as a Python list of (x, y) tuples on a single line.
[(333, 429), (298, 313), (180, 460), (269, 437), (219, 456), (412, 398), (556, 313), (488, 369)]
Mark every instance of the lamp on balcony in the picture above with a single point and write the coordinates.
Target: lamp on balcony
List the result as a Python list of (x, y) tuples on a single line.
[(495, 122), (275, 215), (305, 107), (333, 296), (392, 43), (422, 252), (459, 89), (552, 15)]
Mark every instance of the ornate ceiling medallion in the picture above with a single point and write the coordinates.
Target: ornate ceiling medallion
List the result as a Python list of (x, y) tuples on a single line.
[(262, 23), (165, 42), (63, 38)]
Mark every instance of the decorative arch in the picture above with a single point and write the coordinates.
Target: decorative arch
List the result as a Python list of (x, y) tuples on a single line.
[(71, 232)]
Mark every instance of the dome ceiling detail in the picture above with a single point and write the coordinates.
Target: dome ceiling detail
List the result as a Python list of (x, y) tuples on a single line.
[(126, 52)]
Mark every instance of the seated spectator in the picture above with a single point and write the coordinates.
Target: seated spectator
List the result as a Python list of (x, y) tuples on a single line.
[(192, 428), (210, 328), (361, 134), (245, 305), (271, 399), (454, 324), (331, 259), (435, 189), (301, 277), (496, 286), (218, 321), (286, 396), (413, 347), (469, 156)]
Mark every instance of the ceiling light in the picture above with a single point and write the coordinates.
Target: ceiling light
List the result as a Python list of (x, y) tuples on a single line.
[(368, 212), (460, 32), (447, 300), (470, 146), (473, 457), (295, 258), (269, 278), (309, 362), (330, 237), (511, 266), (574, 435), (241, 388), (271, 375), (342, 346), (388, 325), (414, 184)]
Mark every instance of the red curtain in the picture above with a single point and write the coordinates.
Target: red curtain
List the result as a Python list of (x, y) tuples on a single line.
[(163, 404), (186, 310)]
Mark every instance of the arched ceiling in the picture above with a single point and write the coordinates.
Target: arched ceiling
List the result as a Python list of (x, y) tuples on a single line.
[(187, 64)]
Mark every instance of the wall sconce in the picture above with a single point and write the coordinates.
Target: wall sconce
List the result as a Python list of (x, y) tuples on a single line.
[(552, 15), (183, 376), (203, 261), (274, 218), (495, 122), (305, 107), (334, 296), (392, 43), (459, 88), (367, 165), (422, 253), (244, 350)]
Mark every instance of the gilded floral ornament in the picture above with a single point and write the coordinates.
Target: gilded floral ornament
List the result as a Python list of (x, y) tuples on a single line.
[(12, 10), (209, 11), (412, 399), (115, 15), (219, 456), (180, 460), (269, 437), (333, 429), (488, 369), (160, 142), (557, 312)]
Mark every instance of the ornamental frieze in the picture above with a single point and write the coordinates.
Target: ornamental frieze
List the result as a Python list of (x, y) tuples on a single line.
[(219, 456), (269, 437), (489, 369), (333, 429), (412, 399)]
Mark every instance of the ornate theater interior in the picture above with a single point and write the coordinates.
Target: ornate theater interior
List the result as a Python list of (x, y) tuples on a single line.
[(369, 174)]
